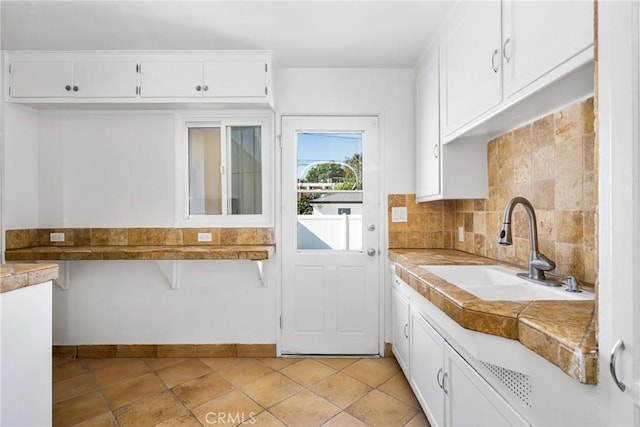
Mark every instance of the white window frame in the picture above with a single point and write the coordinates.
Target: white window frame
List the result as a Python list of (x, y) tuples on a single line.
[(223, 120)]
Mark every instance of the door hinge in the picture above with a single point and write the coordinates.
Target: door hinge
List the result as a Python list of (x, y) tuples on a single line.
[(279, 140), (9, 68), (138, 68), (265, 68), (9, 90), (281, 321), (266, 90)]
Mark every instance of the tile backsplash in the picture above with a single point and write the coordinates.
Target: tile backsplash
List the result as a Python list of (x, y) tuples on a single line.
[(551, 162)]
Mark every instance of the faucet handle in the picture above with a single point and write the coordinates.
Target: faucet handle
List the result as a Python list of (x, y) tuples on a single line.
[(541, 262), (572, 284)]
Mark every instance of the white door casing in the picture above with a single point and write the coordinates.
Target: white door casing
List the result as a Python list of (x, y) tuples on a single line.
[(330, 298)]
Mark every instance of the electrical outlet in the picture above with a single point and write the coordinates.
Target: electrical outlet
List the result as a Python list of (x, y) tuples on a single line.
[(204, 237), (56, 237), (460, 234), (399, 214)]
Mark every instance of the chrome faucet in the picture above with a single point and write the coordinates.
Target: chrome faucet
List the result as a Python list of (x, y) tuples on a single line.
[(538, 263)]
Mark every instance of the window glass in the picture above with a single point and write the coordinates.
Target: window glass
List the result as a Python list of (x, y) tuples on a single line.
[(245, 170), (205, 177)]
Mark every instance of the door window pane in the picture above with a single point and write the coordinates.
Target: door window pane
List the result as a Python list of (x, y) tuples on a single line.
[(329, 191), (205, 178)]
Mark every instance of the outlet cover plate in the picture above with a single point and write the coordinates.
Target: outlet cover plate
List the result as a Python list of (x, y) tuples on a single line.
[(56, 237), (461, 234), (204, 237)]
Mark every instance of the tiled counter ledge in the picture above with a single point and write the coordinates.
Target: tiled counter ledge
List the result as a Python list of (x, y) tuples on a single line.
[(16, 276), (563, 332), (84, 244)]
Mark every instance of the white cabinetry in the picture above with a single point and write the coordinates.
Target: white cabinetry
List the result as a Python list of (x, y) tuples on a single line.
[(540, 36), (186, 79), (451, 171), (112, 77), (538, 55), (426, 377), (470, 65), (65, 79), (400, 322), (449, 389)]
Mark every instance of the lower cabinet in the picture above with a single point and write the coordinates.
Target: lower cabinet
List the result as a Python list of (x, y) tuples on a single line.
[(400, 315), (450, 391)]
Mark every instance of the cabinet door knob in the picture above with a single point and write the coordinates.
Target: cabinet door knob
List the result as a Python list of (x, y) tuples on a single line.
[(67, 88), (406, 332), (494, 65), (198, 88), (435, 151), (205, 88), (438, 377), (507, 56), (444, 383), (75, 88)]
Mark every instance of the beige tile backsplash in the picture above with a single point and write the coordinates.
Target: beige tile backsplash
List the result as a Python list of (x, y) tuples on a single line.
[(551, 162)]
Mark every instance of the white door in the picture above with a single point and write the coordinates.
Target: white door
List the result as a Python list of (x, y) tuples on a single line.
[(330, 244), (40, 79), (235, 79), (539, 36), (170, 79), (105, 79)]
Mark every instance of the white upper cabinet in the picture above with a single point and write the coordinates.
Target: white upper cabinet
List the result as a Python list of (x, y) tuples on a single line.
[(65, 79), (105, 79), (428, 129), (470, 65), (46, 79), (236, 79), (540, 36), (172, 77), (502, 63)]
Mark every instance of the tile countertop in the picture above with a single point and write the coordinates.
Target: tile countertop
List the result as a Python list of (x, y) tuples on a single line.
[(16, 276), (563, 332)]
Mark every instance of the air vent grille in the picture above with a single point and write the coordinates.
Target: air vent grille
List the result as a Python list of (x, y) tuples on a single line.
[(516, 382)]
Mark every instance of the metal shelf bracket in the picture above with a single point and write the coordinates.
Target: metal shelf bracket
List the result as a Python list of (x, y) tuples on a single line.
[(171, 271), (63, 282)]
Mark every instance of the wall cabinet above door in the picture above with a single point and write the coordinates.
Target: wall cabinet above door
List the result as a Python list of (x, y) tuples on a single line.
[(203, 77), (208, 79)]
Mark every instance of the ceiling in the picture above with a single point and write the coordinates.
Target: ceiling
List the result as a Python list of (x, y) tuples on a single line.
[(300, 33)]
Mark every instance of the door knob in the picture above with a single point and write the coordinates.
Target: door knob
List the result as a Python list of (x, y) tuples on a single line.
[(371, 227), (371, 252)]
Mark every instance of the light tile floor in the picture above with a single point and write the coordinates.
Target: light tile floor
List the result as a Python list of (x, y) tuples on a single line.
[(239, 391)]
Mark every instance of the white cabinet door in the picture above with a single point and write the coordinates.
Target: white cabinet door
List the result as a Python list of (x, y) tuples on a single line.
[(470, 65), (470, 400), (400, 326), (235, 79), (171, 79), (102, 79), (428, 129), (40, 79), (427, 369), (540, 36)]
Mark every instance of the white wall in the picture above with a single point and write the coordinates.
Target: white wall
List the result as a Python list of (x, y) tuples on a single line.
[(20, 193), (106, 169), (388, 93)]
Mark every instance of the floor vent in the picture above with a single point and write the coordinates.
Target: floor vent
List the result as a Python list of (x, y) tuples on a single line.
[(517, 382)]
